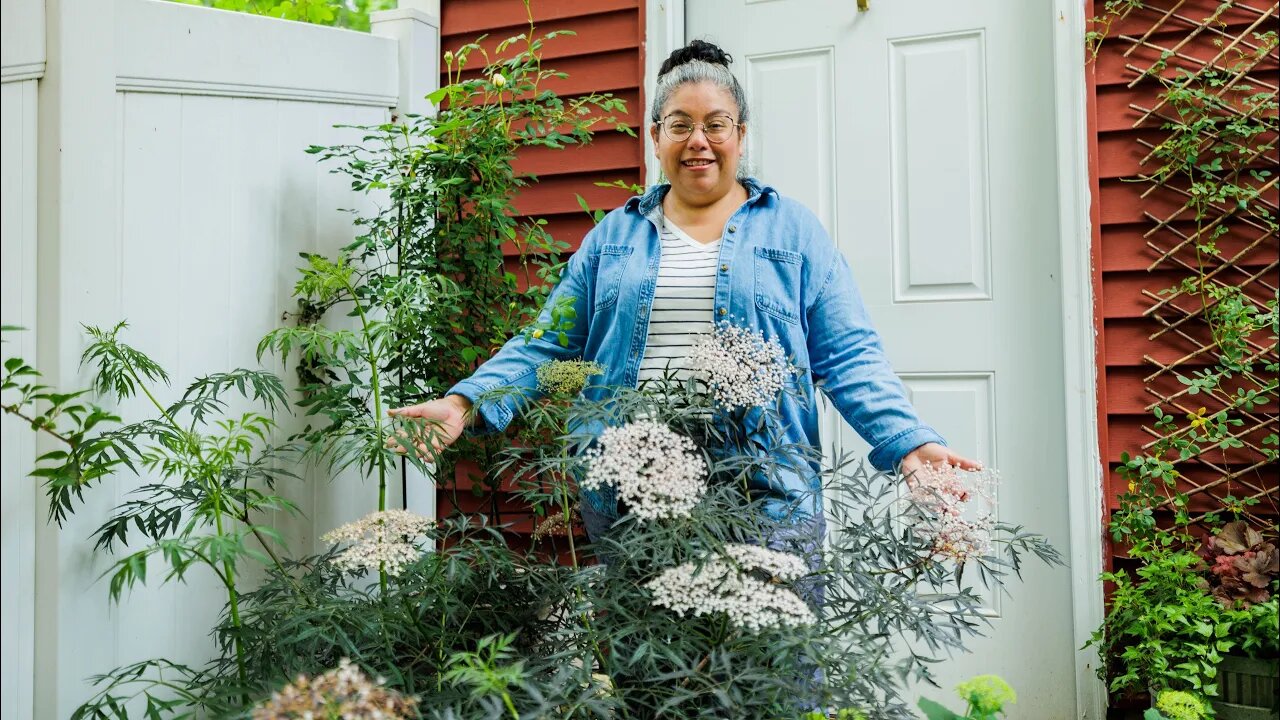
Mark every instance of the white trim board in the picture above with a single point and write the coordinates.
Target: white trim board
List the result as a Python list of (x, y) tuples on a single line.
[(169, 47), (1084, 463), (25, 71), (664, 32)]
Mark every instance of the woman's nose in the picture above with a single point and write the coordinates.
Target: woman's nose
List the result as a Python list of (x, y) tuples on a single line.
[(698, 137)]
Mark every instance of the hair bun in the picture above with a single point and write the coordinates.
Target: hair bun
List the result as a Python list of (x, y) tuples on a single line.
[(695, 50)]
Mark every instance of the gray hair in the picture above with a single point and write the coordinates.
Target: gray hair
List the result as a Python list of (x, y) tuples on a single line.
[(695, 71)]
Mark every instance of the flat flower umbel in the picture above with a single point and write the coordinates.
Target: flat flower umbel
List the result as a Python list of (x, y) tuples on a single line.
[(386, 540), (656, 471), (344, 692), (957, 508), (723, 584), (740, 367)]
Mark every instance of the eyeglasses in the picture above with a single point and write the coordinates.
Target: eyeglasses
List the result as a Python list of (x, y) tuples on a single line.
[(716, 130)]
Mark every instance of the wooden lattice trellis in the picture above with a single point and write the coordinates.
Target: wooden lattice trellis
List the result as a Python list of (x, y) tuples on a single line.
[(1203, 88)]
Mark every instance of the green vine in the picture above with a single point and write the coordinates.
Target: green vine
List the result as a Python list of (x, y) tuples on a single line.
[(1219, 130)]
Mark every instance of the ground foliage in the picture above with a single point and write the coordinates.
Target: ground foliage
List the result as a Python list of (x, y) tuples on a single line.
[(478, 629)]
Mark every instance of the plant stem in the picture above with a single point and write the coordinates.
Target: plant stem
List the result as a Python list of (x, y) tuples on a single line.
[(13, 410), (229, 571), (506, 700), (375, 384)]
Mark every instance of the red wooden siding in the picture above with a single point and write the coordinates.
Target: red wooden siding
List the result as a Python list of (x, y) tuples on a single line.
[(606, 55), (1120, 254)]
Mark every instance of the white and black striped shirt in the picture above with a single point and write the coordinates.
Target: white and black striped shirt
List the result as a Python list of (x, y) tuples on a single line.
[(682, 302)]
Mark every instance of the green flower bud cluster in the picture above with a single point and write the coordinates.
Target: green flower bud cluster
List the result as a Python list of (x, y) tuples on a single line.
[(1179, 705), (566, 377)]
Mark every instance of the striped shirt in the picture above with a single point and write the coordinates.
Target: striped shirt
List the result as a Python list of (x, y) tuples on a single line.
[(682, 302)]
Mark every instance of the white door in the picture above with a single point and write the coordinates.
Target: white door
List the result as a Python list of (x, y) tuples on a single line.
[(921, 132)]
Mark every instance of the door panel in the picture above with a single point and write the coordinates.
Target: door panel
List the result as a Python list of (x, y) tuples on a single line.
[(922, 135)]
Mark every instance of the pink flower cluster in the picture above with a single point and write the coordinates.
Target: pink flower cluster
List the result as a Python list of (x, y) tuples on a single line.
[(957, 509)]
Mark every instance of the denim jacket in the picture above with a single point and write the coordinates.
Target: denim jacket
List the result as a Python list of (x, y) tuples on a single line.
[(779, 273)]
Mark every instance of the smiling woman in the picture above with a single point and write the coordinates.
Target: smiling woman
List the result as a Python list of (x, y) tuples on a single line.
[(710, 247)]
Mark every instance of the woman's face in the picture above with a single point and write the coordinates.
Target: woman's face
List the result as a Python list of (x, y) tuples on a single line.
[(699, 170)]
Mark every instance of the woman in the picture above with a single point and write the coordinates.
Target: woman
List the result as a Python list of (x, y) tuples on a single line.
[(710, 245)]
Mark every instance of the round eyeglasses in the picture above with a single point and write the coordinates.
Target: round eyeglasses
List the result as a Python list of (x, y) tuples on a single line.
[(716, 130)]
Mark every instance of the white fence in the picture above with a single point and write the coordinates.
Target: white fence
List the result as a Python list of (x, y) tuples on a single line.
[(153, 171)]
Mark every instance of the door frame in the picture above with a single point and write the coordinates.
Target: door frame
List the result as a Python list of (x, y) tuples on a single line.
[(665, 31), (1080, 370)]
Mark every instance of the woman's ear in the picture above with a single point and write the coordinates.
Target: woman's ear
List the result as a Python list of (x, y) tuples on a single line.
[(653, 134)]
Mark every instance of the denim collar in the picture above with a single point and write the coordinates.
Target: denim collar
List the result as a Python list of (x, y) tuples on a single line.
[(650, 203)]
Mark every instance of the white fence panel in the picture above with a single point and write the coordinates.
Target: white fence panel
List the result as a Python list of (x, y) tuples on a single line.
[(17, 443), (174, 192), (22, 61)]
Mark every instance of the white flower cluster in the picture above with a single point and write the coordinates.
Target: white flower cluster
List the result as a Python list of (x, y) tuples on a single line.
[(656, 471), (717, 586), (386, 540), (344, 692), (741, 368), (783, 566), (959, 511)]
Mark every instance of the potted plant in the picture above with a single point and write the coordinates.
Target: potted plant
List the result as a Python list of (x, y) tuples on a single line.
[(1242, 572), (1203, 622)]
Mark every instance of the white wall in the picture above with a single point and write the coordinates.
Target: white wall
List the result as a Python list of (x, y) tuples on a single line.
[(168, 186)]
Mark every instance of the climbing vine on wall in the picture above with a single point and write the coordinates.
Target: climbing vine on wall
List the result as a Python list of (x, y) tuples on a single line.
[(1209, 198)]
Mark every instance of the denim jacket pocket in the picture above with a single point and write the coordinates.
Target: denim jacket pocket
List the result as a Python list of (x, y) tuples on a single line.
[(610, 265), (778, 282)]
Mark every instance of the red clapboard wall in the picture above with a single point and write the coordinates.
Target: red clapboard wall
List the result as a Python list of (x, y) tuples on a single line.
[(1121, 256), (605, 56)]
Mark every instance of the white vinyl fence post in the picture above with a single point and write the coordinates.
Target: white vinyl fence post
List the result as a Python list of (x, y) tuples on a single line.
[(415, 25), (22, 63), (79, 280)]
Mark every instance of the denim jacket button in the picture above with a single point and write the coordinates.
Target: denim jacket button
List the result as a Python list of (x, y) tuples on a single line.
[(724, 267), (733, 228), (723, 312)]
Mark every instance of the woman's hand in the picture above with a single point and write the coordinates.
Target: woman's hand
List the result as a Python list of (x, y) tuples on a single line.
[(444, 420), (936, 455)]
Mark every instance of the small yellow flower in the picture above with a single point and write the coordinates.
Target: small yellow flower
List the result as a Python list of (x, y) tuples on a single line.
[(498, 80), (538, 333)]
